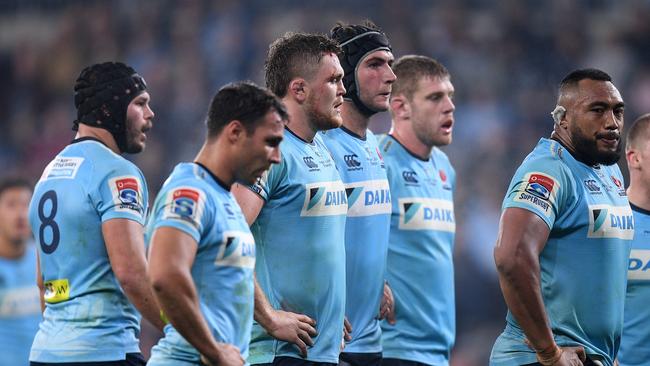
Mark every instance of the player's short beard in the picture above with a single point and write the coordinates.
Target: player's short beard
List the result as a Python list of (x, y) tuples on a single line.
[(319, 120), (586, 150), (132, 146)]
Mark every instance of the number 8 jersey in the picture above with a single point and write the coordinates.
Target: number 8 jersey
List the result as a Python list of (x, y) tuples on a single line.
[(87, 315)]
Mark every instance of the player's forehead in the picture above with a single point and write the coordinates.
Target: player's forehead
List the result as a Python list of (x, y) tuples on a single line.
[(143, 97), (590, 91), (430, 84), (381, 56), (271, 124), (329, 66)]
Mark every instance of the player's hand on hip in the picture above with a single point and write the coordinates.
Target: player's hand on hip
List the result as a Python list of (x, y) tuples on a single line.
[(347, 329), (563, 356), (293, 328), (347, 333), (226, 355), (387, 305)]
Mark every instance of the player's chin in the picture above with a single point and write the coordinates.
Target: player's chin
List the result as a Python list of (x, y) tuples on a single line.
[(252, 178), (382, 103), (334, 122), (442, 140)]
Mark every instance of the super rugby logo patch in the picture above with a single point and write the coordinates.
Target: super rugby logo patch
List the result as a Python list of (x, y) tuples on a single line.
[(539, 191), (540, 185), (127, 194), (185, 203)]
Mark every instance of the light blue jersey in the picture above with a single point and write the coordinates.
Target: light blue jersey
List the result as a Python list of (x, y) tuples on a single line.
[(300, 235), (87, 316), (420, 266), (193, 201), (583, 266), (635, 342), (366, 232), (20, 308)]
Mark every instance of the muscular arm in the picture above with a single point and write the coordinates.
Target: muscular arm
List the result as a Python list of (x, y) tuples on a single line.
[(250, 202), (282, 325), (125, 246), (170, 261), (522, 237)]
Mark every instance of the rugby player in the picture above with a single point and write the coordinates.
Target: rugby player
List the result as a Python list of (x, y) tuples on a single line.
[(298, 210), (87, 215), (422, 184), (564, 236), (366, 60), (635, 341), (202, 253)]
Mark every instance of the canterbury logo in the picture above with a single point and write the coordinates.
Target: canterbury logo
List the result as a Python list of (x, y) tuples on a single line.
[(351, 161), (410, 176), (309, 161), (592, 185)]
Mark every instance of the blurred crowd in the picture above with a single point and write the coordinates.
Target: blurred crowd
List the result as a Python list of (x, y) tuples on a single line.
[(506, 59)]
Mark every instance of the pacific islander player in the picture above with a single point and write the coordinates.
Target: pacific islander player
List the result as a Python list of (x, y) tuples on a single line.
[(564, 236)]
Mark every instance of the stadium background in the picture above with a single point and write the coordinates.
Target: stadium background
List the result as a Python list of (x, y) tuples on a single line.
[(505, 58)]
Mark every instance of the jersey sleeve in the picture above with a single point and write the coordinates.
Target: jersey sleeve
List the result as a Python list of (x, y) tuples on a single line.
[(183, 207), (121, 193), (268, 184), (541, 186)]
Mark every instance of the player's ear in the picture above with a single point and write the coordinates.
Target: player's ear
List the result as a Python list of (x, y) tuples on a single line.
[(234, 131), (298, 89), (559, 116), (633, 161), (400, 106)]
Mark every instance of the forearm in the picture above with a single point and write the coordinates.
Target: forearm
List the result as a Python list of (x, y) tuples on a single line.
[(178, 298), (141, 296), (263, 313), (520, 284)]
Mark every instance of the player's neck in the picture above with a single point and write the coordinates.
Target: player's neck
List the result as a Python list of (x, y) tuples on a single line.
[(405, 135), (11, 250), (298, 121), (638, 193), (354, 120), (565, 140), (217, 161), (100, 134)]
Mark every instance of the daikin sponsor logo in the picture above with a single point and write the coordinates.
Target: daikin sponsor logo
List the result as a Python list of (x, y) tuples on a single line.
[(325, 199), (237, 250), (607, 221), (426, 214), (371, 197), (639, 265)]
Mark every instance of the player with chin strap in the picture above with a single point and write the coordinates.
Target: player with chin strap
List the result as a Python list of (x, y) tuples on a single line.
[(368, 79), (87, 215)]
